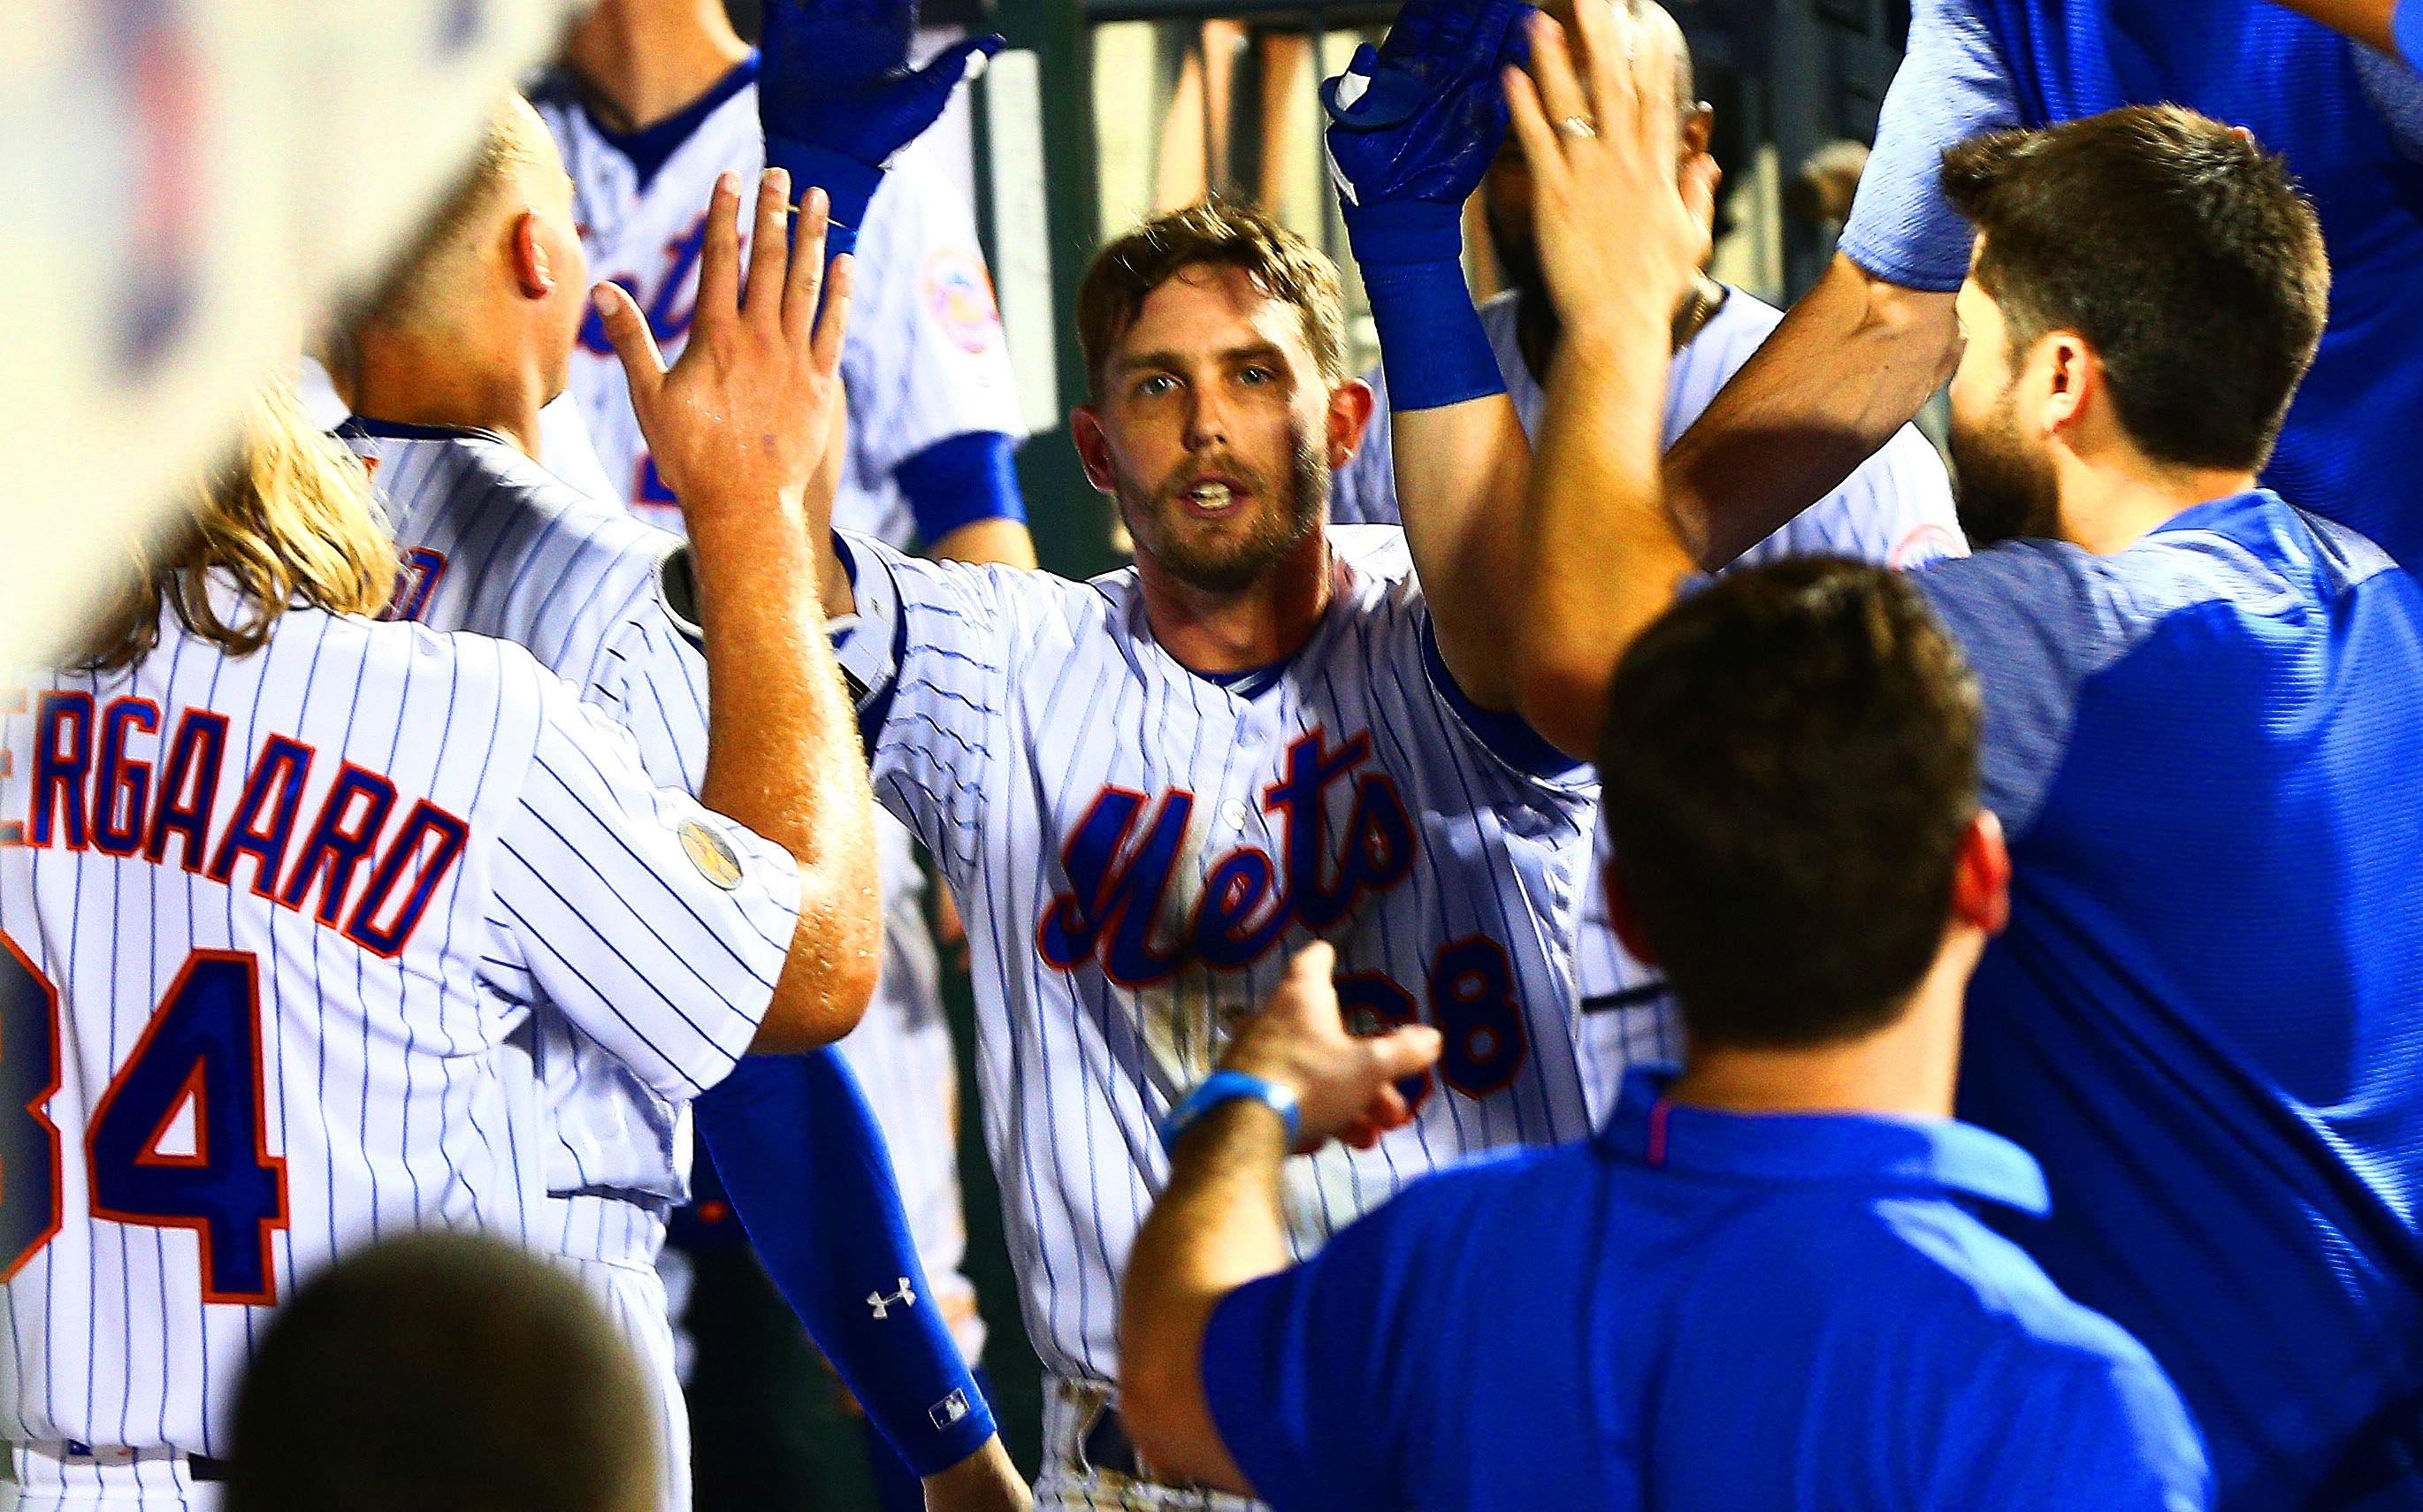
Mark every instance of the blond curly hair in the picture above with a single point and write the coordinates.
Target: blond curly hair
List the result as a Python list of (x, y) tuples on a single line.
[(288, 521)]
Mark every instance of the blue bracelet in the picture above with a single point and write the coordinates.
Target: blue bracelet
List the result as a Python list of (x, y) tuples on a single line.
[(1227, 1087)]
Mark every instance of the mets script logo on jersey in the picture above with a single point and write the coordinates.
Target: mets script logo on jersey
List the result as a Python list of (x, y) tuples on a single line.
[(674, 301), (1116, 883), (93, 788)]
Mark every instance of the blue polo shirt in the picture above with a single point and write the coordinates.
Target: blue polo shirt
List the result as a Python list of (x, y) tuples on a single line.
[(1696, 1311), (2206, 1018)]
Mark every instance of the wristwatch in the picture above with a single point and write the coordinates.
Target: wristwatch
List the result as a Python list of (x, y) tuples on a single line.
[(1227, 1087)]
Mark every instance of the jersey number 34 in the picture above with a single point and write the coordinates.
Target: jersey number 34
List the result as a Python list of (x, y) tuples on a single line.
[(199, 1056)]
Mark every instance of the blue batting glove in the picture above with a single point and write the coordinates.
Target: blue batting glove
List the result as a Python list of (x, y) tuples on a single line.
[(1416, 121), (837, 99)]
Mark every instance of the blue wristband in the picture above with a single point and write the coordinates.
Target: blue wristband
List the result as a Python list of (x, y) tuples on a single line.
[(1432, 343), (1227, 1087), (2406, 24)]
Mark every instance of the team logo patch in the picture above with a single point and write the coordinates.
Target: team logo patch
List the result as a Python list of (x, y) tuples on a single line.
[(711, 854), (960, 295)]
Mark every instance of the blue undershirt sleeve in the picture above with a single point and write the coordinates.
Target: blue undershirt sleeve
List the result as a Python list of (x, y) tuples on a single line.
[(1952, 85), (960, 479), (808, 1172)]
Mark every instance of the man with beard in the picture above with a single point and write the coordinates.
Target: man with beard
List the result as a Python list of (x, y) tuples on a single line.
[(2203, 714), (1149, 789), (1896, 509)]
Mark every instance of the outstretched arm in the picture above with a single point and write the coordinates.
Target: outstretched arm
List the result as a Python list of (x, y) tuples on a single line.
[(739, 427), (1218, 1224), (1854, 359), (1414, 125), (1865, 347), (1598, 478)]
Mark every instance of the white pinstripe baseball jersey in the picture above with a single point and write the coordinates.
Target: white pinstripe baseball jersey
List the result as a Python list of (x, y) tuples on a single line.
[(1136, 849), (1896, 508), (497, 546), (275, 927), (924, 360)]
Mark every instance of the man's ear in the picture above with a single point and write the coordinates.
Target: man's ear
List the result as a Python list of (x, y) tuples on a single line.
[(1980, 875), (1350, 410), (2071, 379), (1093, 448), (1625, 920), (533, 274)]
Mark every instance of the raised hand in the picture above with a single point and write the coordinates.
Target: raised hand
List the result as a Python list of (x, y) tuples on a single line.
[(1417, 120), (1345, 1084), (740, 424), (836, 96), (1618, 229)]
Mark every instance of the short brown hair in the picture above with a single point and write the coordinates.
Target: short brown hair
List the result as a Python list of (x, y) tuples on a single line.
[(1789, 766), (1218, 234), (443, 1370), (2177, 247), (288, 519)]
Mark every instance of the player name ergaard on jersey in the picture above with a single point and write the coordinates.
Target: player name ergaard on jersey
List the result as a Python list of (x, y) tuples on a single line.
[(106, 777)]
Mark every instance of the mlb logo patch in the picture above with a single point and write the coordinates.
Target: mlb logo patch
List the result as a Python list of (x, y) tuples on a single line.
[(949, 1409), (959, 294)]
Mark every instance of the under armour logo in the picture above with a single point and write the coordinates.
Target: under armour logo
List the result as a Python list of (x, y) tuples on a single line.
[(882, 1302)]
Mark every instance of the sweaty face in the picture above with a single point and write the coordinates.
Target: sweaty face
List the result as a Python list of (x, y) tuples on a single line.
[(2005, 480), (1214, 419)]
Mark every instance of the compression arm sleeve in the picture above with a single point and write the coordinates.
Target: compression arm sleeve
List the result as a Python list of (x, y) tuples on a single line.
[(811, 1179)]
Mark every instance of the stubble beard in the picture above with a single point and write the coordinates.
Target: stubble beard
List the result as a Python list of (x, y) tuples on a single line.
[(2002, 491), (1227, 563)]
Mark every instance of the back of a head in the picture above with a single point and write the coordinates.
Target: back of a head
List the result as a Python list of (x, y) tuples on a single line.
[(2177, 247), (426, 283), (442, 1372), (1789, 766)]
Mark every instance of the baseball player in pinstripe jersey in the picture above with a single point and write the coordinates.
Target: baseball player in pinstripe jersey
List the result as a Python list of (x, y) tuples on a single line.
[(447, 372), (1147, 789), (1895, 508), (656, 97), (283, 887)]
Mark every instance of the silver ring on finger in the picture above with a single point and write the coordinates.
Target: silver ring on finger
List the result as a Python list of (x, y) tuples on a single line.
[(1578, 127)]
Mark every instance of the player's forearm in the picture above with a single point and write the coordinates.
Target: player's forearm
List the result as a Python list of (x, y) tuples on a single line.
[(1601, 556), (1849, 366), (1461, 473), (1217, 1226), (813, 1182), (782, 757), (1002, 542), (2369, 22)]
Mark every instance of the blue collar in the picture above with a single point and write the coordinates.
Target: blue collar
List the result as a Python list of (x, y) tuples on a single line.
[(2213, 512), (1939, 1156), (364, 427)]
